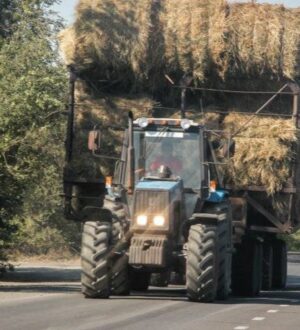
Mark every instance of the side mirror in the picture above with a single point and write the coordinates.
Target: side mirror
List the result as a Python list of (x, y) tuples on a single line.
[(94, 141)]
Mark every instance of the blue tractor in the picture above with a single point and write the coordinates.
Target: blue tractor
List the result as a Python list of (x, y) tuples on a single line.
[(165, 212)]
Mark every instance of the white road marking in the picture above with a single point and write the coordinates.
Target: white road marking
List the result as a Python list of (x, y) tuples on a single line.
[(284, 305), (272, 311), (258, 318), (273, 299), (241, 327)]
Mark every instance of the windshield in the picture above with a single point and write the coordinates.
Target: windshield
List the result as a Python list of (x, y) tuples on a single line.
[(177, 150)]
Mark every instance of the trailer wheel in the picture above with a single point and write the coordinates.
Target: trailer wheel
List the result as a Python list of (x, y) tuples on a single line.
[(94, 259), (279, 264), (247, 268), (139, 280), (202, 267), (267, 272)]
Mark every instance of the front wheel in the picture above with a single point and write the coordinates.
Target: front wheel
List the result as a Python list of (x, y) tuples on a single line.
[(201, 272), (95, 279), (104, 271)]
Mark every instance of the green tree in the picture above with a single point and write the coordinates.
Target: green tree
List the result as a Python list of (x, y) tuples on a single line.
[(7, 9), (33, 85)]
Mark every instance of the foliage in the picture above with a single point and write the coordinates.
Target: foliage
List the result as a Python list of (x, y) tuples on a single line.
[(33, 85), (7, 7), (293, 241)]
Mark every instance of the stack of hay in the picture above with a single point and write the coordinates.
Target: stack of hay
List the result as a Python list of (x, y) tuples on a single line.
[(138, 41), (104, 113), (263, 153), (265, 156), (128, 48)]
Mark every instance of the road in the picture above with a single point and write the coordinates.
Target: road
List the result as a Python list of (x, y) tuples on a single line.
[(38, 298)]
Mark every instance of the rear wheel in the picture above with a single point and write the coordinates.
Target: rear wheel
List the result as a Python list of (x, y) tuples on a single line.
[(267, 272), (247, 268), (202, 267), (279, 264)]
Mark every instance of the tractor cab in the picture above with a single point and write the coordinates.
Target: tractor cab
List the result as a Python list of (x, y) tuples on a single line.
[(169, 153), (175, 144)]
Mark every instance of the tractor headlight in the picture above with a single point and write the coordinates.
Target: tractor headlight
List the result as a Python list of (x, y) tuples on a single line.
[(159, 221), (143, 122), (142, 220)]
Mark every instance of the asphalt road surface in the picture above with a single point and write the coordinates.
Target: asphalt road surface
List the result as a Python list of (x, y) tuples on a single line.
[(38, 298)]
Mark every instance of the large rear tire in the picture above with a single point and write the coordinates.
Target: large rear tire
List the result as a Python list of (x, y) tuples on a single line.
[(202, 267), (247, 268), (279, 264)]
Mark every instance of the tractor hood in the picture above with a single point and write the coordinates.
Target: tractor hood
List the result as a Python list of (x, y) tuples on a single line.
[(161, 185)]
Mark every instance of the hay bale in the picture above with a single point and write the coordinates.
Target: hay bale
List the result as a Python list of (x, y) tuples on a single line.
[(261, 127), (263, 39), (217, 37), (185, 29), (111, 110), (264, 152), (138, 41), (106, 112), (109, 34), (291, 44), (261, 162)]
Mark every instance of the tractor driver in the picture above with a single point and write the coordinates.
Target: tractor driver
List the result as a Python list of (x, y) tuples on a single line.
[(167, 158)]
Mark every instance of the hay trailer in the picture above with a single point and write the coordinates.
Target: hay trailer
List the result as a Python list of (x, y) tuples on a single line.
[(159, 216), (258, 217)]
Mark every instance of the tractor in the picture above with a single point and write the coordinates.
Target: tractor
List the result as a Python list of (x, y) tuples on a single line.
[(165, 212)]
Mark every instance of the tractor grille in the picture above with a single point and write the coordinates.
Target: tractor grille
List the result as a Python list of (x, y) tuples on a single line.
[(152, 202)]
